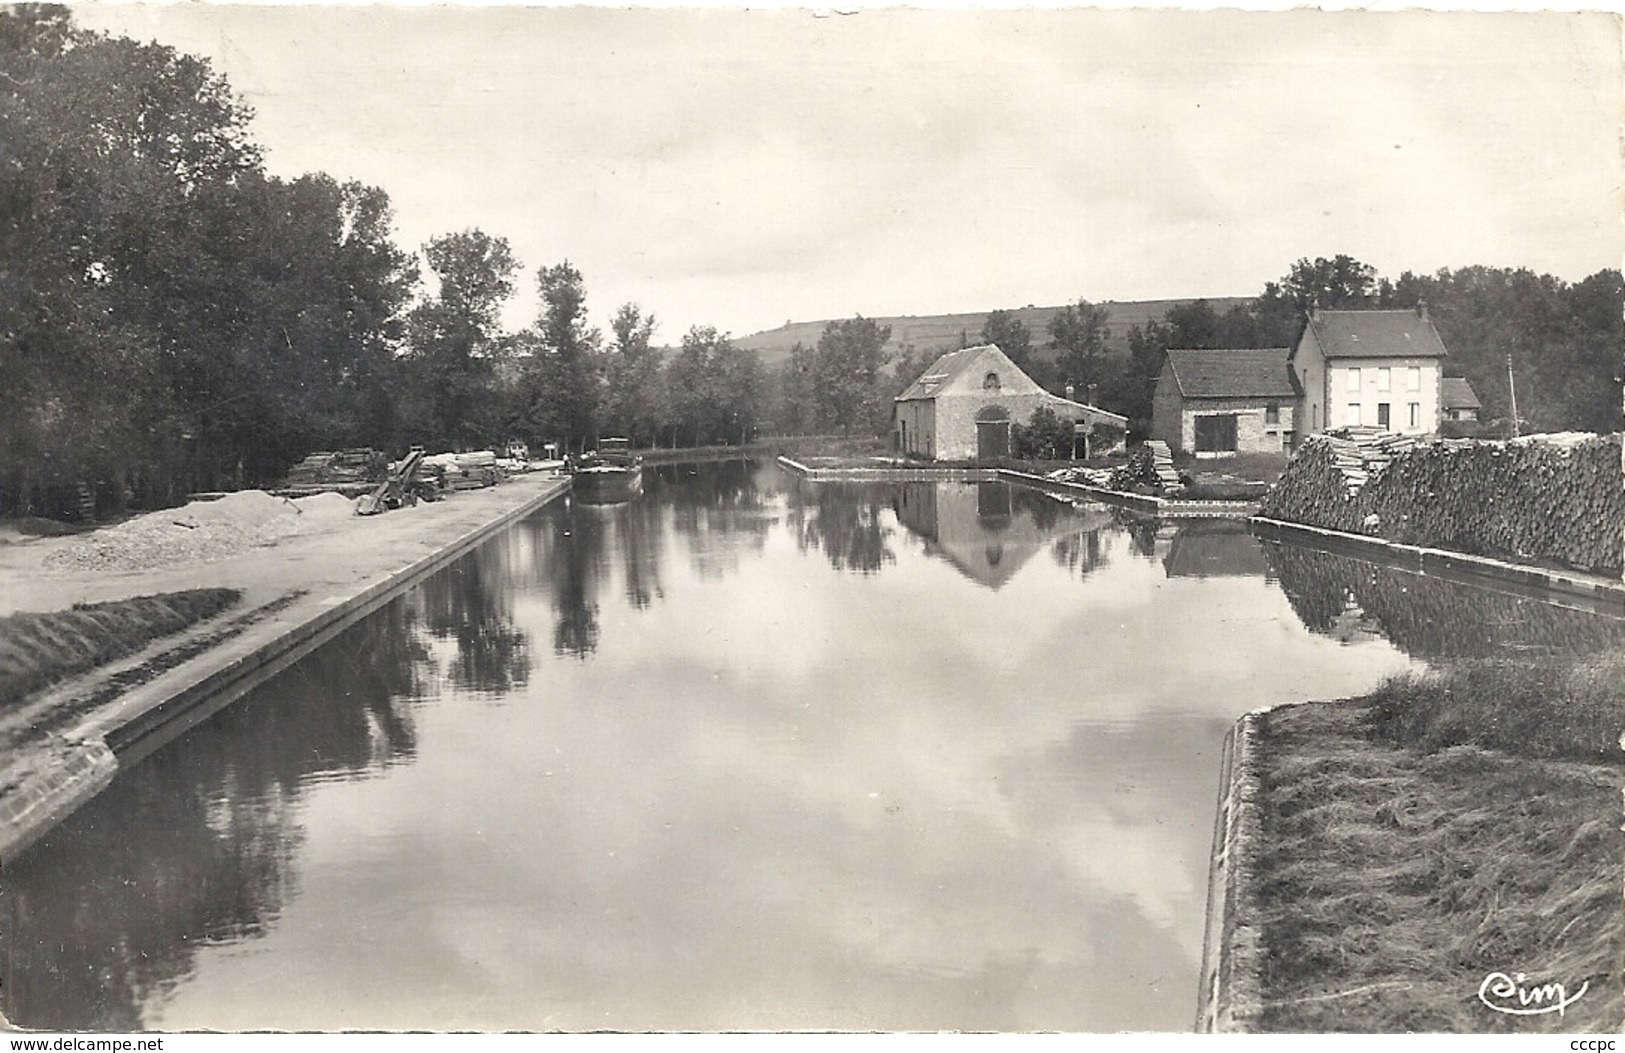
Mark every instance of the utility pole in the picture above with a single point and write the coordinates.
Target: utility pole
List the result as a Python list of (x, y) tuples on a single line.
[(1512, 392)]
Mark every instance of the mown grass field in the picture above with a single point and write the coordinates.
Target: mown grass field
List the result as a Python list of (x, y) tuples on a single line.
[(38, 650), (1448, 827)]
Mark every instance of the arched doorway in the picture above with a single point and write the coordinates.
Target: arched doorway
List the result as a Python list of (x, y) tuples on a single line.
[(992, 433)]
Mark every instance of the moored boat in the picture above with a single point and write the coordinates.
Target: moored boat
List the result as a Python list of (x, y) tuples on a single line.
[(609, 475)]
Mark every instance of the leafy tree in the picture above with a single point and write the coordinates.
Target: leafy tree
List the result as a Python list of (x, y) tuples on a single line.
[(716, 389), (1079, 333), (847, 372), (908, 367), (1338, 283), (632, 376), (1044, 437), (798, 384), (111, 154), (573, 395), (1006, 329), (454, 336)]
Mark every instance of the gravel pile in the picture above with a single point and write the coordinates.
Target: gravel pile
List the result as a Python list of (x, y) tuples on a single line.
[(201, 532)]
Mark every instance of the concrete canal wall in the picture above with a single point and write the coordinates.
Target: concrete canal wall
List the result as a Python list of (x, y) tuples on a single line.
[(1156, 506), (1229, 997), (1592, 591), (889, 475), (320, 586), (1165, 507)]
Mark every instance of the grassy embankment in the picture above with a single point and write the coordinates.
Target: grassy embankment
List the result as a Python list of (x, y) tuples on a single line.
[(1448, 826), (38, 650)]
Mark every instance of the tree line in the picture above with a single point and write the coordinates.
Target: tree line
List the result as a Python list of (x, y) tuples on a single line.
[(175, 319)]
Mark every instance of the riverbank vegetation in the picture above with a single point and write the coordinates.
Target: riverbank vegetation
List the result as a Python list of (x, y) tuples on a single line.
[(1452, 825), (38, 650)]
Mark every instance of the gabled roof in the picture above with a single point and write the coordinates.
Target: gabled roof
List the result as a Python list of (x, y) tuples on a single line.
[(1458, 394), (1212, 373), (942, 372), (1376, 334), (941, 377)]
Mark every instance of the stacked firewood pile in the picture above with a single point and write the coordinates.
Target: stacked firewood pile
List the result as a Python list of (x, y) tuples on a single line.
[(1551, 498)]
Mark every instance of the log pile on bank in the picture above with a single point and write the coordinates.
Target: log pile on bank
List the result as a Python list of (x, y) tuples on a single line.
[(1540, 499)]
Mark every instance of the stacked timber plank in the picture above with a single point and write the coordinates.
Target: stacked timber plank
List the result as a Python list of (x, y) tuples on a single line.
[(1360, 453), (357, 466), (1162, 464), (1540, 499)]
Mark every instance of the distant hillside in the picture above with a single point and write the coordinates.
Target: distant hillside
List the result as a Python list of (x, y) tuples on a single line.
[(942, 332)]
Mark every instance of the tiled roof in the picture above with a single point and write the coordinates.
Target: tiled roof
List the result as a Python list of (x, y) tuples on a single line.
[(942, 371), (1458, 394), (1232, 373), (1376, 334)]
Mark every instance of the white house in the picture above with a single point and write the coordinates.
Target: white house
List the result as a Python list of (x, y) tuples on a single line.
[(1377, 368)]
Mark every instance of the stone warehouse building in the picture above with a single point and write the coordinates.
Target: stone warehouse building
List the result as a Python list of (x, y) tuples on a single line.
[(1220, 401), (962, 407)]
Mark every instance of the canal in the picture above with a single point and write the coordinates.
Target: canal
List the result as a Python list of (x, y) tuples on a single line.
[(748, 753)]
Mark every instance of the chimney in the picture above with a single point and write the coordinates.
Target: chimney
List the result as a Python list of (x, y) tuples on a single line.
[(1069, 390), (1422, 310), (1314, 311), (1092, 394)]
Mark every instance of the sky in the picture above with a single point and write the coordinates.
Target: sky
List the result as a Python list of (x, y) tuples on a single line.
[(740, 169)]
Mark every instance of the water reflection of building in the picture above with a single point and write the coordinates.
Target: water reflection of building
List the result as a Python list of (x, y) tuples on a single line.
[(1212, 548), (989, 531)]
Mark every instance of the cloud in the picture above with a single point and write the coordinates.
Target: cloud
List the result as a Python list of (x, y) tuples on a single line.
[(738, 167)]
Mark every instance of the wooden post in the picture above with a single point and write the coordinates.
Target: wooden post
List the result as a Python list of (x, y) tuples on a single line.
[(1512, 392)]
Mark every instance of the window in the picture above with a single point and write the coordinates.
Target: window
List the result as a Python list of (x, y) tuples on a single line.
[(1382, 414), (1413, 379), (1272, 413), (1382, 378), (1354, 378), (990, 382), (1416, 414), (1354, 413), (1216, 433)]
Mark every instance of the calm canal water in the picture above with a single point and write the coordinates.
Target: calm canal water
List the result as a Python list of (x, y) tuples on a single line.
[(749, 753)]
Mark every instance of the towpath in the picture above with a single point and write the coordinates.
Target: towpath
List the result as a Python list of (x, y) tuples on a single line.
[(66, 744)]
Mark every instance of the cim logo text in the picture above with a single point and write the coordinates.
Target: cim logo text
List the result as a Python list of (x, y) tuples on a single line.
[(1513, 994)]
